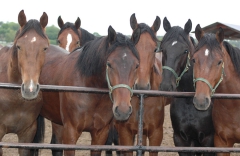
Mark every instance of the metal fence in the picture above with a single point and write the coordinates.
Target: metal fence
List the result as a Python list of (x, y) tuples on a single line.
[(139, 147)]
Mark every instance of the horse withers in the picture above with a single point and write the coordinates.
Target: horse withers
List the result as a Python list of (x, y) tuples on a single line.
[(22, 64)]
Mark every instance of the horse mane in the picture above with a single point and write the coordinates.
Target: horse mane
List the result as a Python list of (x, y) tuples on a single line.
[(145, 28), (86, 36), (209, 40), (234, 53), (31, 24), (93, 58), (176, 32), (71, 26)]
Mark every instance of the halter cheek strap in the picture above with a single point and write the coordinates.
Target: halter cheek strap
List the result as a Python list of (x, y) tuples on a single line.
[(178, 78), (206, 81), (111, 88)]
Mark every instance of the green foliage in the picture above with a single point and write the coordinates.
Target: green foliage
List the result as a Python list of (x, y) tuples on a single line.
[(52, 33), (8, 31), (96, 34)]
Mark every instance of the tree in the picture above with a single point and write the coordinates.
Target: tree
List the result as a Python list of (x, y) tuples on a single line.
[(52, 33), (96, 34)]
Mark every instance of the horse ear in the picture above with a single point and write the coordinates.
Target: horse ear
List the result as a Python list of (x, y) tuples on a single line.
[(156, 24), (166, 24), (198, 32), (220, 35), (188, 26), (133, 22), (78, 23), (22, 20), (60, 22), (44, 20), (111, 35), (136, 35)]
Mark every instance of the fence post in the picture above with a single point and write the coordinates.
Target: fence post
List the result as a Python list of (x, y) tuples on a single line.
[(140, 125)]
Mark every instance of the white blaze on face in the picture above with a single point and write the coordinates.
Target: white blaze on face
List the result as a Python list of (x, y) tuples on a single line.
[(33, 39), (123, 57), (69, 41), (31, 86), (174, 42), (206, 52)]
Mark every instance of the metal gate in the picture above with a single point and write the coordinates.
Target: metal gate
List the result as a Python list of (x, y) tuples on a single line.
[(139, 147)]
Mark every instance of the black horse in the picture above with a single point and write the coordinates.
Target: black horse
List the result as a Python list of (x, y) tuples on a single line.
[(192, 128)]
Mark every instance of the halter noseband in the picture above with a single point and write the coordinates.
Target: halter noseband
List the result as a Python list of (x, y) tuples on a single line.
[(178, 78), (111, 88), (207, 82)]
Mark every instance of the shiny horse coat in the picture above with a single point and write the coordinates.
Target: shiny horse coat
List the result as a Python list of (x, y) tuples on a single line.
[(192, 128)]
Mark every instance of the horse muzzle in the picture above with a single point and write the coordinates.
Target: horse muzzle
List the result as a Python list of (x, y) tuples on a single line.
[(201, 102), (122, 113), (30, 91)]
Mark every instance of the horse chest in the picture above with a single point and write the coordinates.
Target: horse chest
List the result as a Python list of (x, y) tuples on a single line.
[(15, 110)]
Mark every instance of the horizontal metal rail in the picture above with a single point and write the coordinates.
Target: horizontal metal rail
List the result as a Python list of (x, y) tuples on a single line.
[(139, 148), (117, 148), (105, 91)]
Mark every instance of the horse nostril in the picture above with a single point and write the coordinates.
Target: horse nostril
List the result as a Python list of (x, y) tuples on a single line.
[(116, 111), (130, 110)]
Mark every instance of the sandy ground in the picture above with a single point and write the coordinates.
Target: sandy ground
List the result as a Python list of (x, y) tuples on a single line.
[(85, 140)]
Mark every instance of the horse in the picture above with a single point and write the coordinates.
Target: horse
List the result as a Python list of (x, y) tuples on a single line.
[(71, 36), (148, 78), (107, 62), (221, 74), (192, 128), (22, 64)]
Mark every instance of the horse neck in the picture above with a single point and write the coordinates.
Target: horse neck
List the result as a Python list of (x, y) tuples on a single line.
[(231, 78), (13, 71)]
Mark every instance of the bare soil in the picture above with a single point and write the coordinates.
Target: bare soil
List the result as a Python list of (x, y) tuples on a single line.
[(86, 140)]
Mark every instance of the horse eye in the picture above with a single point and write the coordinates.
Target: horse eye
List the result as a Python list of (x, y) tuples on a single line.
[(193, 60), (186, 51), (78, 42), (18, 47), (220, 62), (45, 49), (109, 65), (137, 66), (58, 41)]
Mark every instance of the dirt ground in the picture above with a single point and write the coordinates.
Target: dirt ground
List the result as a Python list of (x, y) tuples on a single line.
[(85, 140)]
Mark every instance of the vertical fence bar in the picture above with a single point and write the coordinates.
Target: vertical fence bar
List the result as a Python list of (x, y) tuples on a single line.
[(140, 125)]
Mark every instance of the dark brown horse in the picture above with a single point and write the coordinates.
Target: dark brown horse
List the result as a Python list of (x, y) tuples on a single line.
[(109, 61), (149, 78), (216, 69), (22, 64), (71, 36), (192, 128)]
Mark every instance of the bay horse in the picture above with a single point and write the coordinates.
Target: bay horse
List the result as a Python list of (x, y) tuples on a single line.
[(22, 64), (148, 78), (107, 62), (71, 35), (221, 74), (192, 128)]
